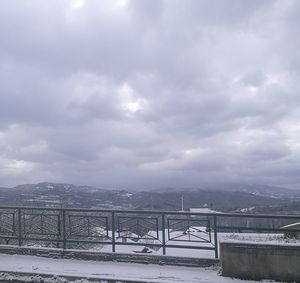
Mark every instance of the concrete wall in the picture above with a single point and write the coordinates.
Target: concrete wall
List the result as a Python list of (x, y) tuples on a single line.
[(260, 261)]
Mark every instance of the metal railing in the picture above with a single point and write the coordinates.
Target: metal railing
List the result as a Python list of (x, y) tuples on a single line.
[(70, 228)]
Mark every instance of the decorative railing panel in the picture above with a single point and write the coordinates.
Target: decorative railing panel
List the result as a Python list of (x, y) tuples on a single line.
[(87, 226), (8, 223), (41, 224), (189, 230), (136, 228)]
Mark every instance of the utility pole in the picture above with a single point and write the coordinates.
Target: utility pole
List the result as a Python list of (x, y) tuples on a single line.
[(182, 203)]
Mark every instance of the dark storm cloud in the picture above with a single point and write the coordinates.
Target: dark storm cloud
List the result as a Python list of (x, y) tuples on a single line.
[(147, 93)]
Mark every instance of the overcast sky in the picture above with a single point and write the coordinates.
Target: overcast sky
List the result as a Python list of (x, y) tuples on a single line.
[(149, 94)]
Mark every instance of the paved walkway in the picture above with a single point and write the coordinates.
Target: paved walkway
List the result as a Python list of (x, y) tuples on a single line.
[(111, 270)]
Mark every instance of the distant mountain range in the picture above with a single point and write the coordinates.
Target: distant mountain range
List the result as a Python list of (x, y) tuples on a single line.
[(221, 197)]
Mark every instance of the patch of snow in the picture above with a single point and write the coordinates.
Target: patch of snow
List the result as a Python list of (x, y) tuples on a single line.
[(110, 270), (264, 239), (203, 210), (11, 277), (248, 209), (293, 225)]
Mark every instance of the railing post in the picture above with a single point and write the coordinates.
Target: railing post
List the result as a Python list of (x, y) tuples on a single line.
[(163, 216), (58, 231), (64, 238), (19, 227), (216, 237), (113, 236)]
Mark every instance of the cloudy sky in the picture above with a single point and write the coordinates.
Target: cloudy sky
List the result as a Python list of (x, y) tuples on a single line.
[(148, 93)]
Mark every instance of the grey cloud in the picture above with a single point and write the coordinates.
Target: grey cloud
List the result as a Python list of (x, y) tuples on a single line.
[(149, 93), (255, 79)]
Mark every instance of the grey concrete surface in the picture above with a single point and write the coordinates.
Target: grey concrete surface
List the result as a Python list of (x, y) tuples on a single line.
[(260, 261), (117, 257)]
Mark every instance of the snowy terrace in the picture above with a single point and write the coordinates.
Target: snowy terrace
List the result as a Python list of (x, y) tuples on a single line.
[(188, 234), (171, 238), (18, 268)]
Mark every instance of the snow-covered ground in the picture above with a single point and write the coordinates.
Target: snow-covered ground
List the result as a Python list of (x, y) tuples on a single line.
[(265, 238), (110, 270), (131, 271)]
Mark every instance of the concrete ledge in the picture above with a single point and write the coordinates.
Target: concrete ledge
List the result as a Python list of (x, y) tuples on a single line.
[(25, 277), (114, 257), (260, 261)]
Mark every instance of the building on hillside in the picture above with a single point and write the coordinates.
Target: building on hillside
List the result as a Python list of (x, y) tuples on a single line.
[(204, 209)]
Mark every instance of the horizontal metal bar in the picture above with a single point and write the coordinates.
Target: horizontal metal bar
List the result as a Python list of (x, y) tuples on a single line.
[(156, 212), (102, 217), (41, 239), (268, 216), (138, 244), (190, 247), (8, 237), (68, 241), (167, 246), (137, 217), (88, 242), (110, 243), (188, 241), (89, 236), (281, 230), (25, 234)]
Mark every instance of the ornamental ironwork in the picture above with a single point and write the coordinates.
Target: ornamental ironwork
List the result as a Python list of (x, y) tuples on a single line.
[(156, 230)]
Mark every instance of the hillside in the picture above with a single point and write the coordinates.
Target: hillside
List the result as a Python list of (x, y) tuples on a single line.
[(68, 195)]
